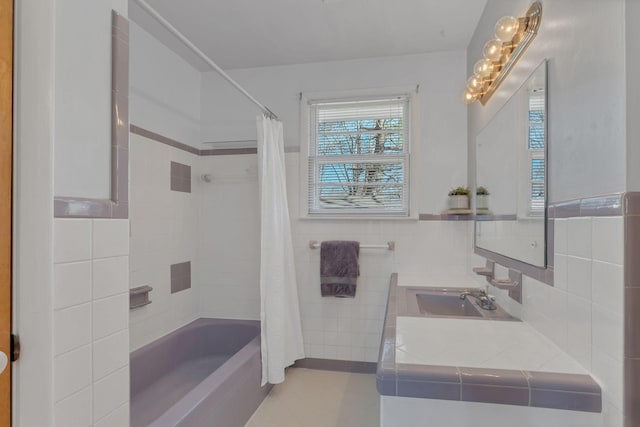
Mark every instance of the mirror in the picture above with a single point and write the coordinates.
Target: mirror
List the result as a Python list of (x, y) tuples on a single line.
[(511, 166)]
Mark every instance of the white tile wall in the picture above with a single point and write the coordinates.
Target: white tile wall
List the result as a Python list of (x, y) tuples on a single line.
[(110, 393), (75, 410), (436, 252), (90, 320), (582, 312), (70, 284), (164, 231)]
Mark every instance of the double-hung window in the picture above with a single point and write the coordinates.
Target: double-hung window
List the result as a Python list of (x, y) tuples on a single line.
[(358, 157)]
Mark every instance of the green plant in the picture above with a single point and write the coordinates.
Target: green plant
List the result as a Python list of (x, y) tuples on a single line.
[(481, 191), (460, 191)]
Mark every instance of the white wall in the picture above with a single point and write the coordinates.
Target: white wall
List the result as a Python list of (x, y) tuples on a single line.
[(82, 97), (33, 207), (632, 32), (442, 141), (586, 84), (165, 90)]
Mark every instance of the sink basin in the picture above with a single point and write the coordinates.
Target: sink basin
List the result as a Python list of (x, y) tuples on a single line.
[(446, 304)]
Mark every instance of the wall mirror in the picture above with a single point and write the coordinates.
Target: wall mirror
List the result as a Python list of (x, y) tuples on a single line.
[(511, 165)]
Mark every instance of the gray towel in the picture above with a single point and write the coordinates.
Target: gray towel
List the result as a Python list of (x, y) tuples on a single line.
[(339, 268)]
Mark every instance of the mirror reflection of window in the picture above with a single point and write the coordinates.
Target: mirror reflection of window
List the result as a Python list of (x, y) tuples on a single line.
[(536, 149)]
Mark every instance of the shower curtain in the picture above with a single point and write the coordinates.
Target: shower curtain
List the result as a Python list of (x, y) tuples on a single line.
[(279, 308)]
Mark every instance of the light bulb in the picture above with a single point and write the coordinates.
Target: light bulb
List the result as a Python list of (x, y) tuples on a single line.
[(469, 97), (506, 28), (474, 84), (483, 68), (493, 50)]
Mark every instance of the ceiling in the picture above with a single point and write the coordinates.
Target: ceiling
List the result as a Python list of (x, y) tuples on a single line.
[(256, 33)]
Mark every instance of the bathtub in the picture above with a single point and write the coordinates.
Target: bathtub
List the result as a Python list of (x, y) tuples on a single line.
[(206, 373)]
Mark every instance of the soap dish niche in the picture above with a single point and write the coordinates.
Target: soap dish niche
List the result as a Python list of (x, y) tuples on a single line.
[(139, 297)]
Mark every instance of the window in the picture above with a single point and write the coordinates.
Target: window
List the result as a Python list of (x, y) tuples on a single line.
[(536, 149), (358, 157)]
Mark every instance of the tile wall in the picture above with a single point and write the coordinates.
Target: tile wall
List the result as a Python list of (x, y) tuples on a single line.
[(583, 312), (229, 237), (164, 229), (91, 322)]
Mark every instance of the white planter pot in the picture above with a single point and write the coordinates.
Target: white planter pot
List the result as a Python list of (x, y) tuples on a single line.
[(458, 202), (482, 201)]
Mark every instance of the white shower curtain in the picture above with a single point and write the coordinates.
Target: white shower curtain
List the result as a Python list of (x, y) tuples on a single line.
[(279, 308)]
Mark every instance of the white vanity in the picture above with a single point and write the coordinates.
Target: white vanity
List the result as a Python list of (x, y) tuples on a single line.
[(461, 370)]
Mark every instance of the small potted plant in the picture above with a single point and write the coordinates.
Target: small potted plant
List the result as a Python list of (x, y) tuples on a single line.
[(482, 198), (459, 198)]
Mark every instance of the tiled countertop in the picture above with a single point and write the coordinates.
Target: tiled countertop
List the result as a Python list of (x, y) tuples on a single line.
[(479, 361)]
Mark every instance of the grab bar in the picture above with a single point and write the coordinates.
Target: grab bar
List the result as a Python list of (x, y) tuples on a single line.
[(391, 245)]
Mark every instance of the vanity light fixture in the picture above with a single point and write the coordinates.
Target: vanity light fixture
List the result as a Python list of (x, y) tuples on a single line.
[(513, 35)]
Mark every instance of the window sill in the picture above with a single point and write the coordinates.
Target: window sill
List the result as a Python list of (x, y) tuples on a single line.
[(358, 217)]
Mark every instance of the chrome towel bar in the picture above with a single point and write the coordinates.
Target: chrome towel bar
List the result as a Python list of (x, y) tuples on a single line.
[(391, 245)]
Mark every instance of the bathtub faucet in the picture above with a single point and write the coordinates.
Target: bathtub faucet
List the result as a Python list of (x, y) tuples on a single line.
[(483, 299)]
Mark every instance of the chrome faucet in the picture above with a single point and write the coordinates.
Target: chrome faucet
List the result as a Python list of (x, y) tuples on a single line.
[(484, 300)]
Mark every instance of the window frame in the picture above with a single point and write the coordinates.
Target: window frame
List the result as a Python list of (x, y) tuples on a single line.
[(306, 102)]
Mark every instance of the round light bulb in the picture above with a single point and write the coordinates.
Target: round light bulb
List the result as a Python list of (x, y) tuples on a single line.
[(469, 97), (474, 84), (483, 68), (506, 28), (493, 50)]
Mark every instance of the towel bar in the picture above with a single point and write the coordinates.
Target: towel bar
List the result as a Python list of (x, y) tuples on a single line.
[(391, 245)]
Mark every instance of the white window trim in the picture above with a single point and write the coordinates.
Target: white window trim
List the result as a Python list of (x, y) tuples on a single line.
[(414, 144)]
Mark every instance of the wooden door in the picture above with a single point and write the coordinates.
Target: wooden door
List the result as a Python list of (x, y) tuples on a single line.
[(6, 138)]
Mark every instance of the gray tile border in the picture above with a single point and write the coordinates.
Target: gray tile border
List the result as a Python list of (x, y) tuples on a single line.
[(495, 394), (550, 242), (162, 139), (428, 390), (566, 209), (336, 365), (428, 373), (604, 205), (570, 401), (631, 407), (493, 377), (607, 205), (445, 217), (117, 206), (69, 207), (502, 386), (204, 152), (631, 203), (562, 382), (227, 151), (632, 251), (631, 322)]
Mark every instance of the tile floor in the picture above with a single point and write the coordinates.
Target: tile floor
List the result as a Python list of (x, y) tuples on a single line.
[(314, 398)]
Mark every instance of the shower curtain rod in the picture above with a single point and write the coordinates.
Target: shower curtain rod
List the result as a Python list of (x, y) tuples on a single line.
[(151, 11)]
